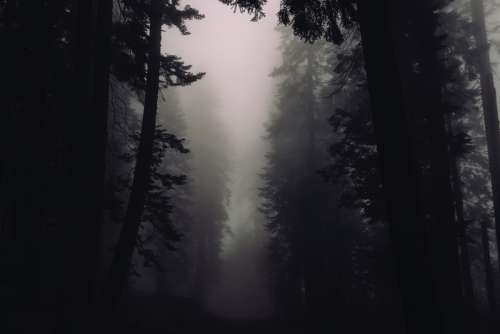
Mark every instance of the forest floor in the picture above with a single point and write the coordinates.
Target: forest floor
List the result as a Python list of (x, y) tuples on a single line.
[(162, 314), (177, 315), (219, 326)]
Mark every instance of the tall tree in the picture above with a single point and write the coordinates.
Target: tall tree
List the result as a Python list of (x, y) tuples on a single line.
[(487, 264), (150, 16), (442, 227), (383, 25), (209, 167), (85, 155), (489, 103), (295, 198), (26, 163)]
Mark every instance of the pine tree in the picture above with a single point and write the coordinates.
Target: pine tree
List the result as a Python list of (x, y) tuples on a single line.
[(489, 104), (147, 76), (294, 196), (209, 165), (394, 42)]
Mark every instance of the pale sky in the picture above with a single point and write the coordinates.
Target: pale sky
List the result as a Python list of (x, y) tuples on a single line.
[(238, 56)]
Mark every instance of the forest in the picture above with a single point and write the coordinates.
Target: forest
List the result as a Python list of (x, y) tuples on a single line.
[(249, 166)]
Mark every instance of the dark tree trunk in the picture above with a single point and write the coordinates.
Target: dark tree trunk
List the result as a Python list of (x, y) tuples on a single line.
[(488, 95), (490, 286), (320, 303), (442, 228), (85, 158), (201, 271), (32, 151), (465, 260), (6, 97), (25, 155), (399, 173), (117, 279), (462, 233), (100, 106)]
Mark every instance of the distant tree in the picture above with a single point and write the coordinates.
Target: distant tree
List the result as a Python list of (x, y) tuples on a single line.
[(295, 199), (174, 275), (209, 166)]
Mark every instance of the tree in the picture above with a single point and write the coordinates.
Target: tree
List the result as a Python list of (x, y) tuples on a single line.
[(61, 174), (174, 72), (295, 198), (254, 7), (383, 40), (489, 103), (29, 111), (84, 174), (174, 276), (209, 167)]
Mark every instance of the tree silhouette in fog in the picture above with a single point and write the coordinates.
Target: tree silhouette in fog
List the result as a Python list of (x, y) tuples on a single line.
[(149, 66)]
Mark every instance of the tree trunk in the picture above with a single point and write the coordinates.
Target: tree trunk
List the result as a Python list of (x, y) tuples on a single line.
[(490, 286), (442, 228), (85, 157), (320, 305), (399, 173), (117, 279), (465, 261), (488, 96), (100, 108), (462, 232), (32, 156)]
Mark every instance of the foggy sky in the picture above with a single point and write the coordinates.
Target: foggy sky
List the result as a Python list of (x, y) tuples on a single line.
[(237, 56)]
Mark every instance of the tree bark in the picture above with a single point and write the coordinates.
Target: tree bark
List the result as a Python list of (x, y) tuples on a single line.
[(490, 286), (462, 233), (442, 228), (490, 111), (465, 259), (399, 173), (85, 134)]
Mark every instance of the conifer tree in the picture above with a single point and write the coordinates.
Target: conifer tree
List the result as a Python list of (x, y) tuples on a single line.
[(148, 65), (393, 37), (294, 195), (489, 104), (209, 165)]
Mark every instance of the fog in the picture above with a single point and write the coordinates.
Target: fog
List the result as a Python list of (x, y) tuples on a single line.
[(237, 55), (177, 166)]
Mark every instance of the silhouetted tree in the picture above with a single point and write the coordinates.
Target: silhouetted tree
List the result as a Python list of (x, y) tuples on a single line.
[(84, 171), (295, 199), (393, 43), (63, 170), (209, 167), (489, 104), (149, 66)]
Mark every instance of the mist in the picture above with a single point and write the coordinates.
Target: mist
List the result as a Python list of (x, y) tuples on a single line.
[(238, 56), (249, 166)]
